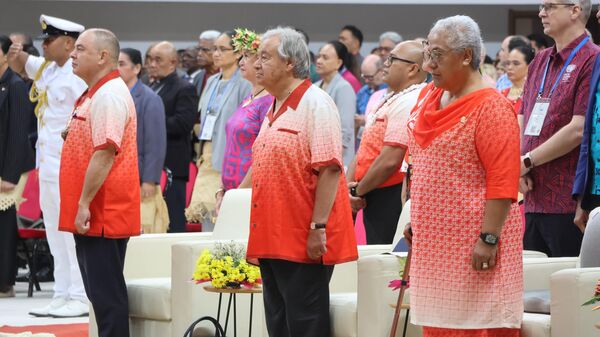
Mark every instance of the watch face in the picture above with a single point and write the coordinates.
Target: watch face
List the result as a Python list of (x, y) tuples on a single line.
[(491, 239)]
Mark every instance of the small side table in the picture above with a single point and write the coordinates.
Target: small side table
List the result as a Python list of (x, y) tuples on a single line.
[(232, 298)]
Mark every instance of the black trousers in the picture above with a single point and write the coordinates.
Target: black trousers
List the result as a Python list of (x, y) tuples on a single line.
[(175, 198), (553, 234), (296, 297), (380, 217), (101, 261), (8, 248)]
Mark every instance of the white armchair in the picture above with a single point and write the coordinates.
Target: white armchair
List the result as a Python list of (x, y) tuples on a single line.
[(149, 265)]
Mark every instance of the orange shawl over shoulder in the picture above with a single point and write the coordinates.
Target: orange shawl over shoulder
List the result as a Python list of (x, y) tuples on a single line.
[(432, 121)]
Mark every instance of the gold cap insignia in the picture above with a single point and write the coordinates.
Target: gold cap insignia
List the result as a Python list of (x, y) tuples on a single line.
[(44, 25)]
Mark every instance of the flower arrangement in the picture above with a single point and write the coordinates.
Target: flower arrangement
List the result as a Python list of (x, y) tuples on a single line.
[(396, 284), (226, 267), (246, 40), (596, 298)]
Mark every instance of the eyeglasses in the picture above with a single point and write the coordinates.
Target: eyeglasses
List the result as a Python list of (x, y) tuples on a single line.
[(385, 49), (221, 50), (205, 50), (370, 78), (549, 7), (50, 39), (435, 55), (391, 58)]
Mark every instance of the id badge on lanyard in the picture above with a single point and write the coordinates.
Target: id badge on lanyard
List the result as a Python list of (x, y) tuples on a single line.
[(540, 109), (537, 118), (208, 126)]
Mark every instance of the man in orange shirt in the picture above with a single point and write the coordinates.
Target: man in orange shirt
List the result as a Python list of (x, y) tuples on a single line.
[(99, 180), (300, 223), (375, 179)]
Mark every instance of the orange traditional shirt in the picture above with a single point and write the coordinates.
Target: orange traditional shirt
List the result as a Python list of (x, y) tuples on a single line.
[(104, 114), (386, 127), (292, 145)]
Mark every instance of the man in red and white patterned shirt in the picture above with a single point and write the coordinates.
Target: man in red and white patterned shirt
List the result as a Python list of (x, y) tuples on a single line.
[(374, 177), (300, 223), (99, 179)]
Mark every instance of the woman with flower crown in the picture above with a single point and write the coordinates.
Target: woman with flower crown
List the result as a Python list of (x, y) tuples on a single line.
[(223, 94), (243, 126)]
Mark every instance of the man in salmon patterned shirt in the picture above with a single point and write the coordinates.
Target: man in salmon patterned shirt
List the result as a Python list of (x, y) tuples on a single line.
[(300, 220), (374, 177), (99, 180)]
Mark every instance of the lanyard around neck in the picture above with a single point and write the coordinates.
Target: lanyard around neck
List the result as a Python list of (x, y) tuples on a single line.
[(564, 68), (211, 101)]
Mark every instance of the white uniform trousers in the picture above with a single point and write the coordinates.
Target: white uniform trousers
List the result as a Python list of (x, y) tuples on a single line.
[(67, 277)]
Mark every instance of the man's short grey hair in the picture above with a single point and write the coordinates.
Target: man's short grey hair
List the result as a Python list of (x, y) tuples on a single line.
[(209, 35), (292, 47), (106, 40), (586, 9), (462, 33), (392, 36)]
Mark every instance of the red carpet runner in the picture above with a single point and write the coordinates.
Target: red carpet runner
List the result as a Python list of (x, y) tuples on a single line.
[(60, 330)]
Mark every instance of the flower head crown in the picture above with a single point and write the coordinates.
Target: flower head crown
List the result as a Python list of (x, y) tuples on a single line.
[(246, 40)]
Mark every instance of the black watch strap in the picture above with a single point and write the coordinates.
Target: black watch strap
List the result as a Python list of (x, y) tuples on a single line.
[(353, 192), (489, 238), (317, 226)]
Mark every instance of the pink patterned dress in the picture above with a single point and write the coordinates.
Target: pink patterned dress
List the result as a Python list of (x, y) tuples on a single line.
[(454, 175), (242, 129)]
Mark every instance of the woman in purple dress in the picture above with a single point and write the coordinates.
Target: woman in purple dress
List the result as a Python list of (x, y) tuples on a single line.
[(243, 126)]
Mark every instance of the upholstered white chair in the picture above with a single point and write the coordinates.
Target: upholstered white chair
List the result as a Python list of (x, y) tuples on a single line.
[(149, 265), (570, 282)]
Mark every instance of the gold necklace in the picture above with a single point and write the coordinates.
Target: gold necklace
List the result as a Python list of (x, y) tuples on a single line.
[(515, 92)]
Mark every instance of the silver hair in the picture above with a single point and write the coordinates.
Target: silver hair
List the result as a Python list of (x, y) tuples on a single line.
[(392, 36), (586, 9), (209, 35), (292, 47), (462, 33)]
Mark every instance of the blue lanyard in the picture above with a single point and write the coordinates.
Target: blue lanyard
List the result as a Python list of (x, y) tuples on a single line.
[(135, 85), (564, 68), (211, 101)]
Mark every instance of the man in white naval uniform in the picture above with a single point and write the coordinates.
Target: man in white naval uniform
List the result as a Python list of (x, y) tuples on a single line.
[(55, 90)]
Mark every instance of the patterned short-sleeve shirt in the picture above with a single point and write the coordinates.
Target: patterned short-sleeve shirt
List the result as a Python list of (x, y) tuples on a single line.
[(553, 181), (386, 127), (104, 115), (286, 158)]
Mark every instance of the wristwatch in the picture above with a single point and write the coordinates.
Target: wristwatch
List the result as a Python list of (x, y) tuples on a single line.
[(489, 238), (527, 161), (317, 225), (353, 192)]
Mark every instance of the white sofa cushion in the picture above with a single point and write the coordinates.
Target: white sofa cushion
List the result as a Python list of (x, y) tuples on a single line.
[(150, 298), (535, 325), (344, 314), (537, 301)]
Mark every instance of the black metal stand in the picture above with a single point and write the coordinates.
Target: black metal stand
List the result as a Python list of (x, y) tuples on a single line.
[(233, 298)]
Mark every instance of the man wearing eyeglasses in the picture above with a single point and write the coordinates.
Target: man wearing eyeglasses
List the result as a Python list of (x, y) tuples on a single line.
[(374, 177), (372, 75), (206, 43), (555, 101)]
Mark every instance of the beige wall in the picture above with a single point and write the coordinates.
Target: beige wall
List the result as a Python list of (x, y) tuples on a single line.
[(150, 21)]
